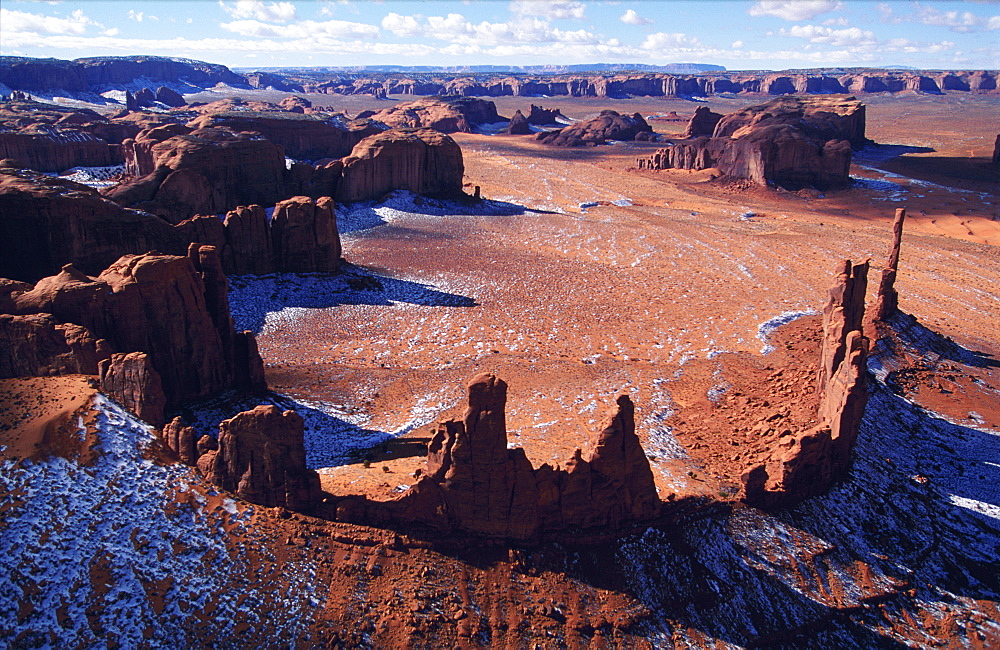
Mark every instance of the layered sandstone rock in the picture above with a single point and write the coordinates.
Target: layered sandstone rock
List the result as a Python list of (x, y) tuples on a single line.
[(809, 462), (170, 308), (181, 439), (474, 483), (518, 125), (248, 241), (609, 125), (206, 171), (423, 161), (261, 458), (301, 136), (444, 114), (793, 142), (38, 345), (130, 380), (544, 116), (703, 122), (304, 235)]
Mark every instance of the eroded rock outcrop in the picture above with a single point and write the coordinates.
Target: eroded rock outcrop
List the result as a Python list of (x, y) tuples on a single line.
[(886, 297), (206, 171), (182, 440), (544, 116), (793, 142), (174, 309), (304, 235), (809, 462), (444, 114), (518, 125), (474, 483), (261, 458), (996, 152), (38, 345), (130, 380), (423, 161), (609, 125), (702, 123)]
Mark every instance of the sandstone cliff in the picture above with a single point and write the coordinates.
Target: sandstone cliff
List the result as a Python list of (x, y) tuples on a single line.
[(444, 114)]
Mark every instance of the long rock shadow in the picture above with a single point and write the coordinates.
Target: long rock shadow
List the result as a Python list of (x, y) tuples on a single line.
[(933, 346), (252, 298), (333, 437), (920, 510), (355, 217), (876, 153)]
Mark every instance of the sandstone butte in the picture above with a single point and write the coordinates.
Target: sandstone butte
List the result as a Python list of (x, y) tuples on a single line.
[(47, 222), (444, 114), (791, 141)]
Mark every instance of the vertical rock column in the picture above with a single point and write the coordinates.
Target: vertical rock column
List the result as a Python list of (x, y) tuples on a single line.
[(887, 298)]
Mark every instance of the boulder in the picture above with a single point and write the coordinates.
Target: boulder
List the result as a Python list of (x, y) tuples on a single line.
[(261, 458), (423, 161), (130, 380), (518, 125), (609, 125)]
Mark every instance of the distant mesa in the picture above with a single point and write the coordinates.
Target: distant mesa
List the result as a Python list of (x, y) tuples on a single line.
[(793, 142)]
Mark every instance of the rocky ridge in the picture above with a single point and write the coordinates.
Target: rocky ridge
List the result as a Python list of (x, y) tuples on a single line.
[(609, 125)]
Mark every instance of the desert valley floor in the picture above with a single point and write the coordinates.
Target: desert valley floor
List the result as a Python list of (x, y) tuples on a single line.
[(578, 279)]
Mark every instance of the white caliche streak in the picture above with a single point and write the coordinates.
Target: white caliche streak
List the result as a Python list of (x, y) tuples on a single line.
[(82, 547)]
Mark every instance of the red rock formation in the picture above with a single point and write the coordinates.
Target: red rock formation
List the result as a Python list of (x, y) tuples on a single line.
[(38, 345), (789, 142), (996, 151), (474, 483), (703, 122), (160, 305), (301, 136), (887, 298), (444, 114), (518, 125), (207, 171), (304, 236), (810, 461), (130, 380), (423, 161), (170, 97), (180, 438), (261, 458), (295, 104), (544, 116), (609, 125), (248, 241)]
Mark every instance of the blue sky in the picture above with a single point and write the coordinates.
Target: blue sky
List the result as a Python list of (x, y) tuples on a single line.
[(741, 35)]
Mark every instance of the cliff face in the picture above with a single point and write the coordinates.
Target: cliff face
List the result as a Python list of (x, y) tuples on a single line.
[(423, 161)]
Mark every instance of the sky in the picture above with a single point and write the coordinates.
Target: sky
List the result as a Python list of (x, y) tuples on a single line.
[(740, 35)]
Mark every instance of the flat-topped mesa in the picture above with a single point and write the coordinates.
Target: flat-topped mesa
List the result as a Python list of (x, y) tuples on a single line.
[(260, 457), (887, 298), (809, 462), (793, 142), (474, 483)]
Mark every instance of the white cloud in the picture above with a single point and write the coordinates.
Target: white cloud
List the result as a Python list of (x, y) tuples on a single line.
[(553, 9), (137, 17), (737, 45), (632, 18), (957, 21), (794, 10), (840, 22), (886, 14), (402, 25), (306, 29), (276, 12), (850, 37), (455, 28), (114, 31), (22, 21), (670, 42)]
